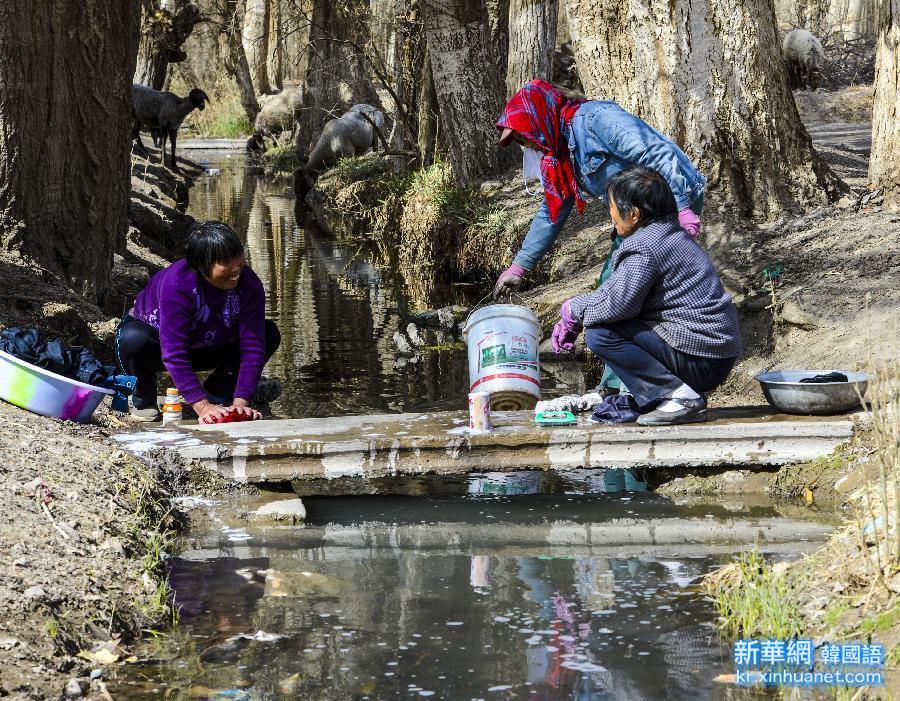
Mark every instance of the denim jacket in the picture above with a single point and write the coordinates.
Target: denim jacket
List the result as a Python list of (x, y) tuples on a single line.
[(603, 140)]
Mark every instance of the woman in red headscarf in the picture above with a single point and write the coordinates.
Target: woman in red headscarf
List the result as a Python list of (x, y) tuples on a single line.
[(574, 146)]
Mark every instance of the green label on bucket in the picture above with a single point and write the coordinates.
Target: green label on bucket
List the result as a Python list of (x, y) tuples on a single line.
[(493, 355)]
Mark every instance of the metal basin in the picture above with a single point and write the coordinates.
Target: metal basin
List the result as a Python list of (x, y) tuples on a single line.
[(785, 392)]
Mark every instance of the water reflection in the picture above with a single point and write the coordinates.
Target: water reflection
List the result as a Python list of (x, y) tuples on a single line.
[(336, 308), (482, 596)]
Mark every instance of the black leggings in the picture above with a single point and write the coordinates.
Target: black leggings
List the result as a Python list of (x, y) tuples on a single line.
[(139, 354)]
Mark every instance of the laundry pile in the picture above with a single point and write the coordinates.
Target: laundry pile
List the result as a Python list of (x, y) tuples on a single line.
[(74, 362)]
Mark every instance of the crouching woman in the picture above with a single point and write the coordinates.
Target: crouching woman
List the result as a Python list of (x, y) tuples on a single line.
[(205, 312), (662, 320)]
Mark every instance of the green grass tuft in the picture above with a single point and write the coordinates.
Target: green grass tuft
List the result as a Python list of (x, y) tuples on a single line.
[(753, 601)]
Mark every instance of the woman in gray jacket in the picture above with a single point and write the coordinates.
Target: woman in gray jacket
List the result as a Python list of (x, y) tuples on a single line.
[(662, 320)]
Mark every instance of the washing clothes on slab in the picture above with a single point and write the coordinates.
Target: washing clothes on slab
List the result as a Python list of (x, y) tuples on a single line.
[(204, 312)]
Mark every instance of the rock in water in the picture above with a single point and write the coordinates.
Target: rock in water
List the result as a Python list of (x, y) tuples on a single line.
[(73, 690)]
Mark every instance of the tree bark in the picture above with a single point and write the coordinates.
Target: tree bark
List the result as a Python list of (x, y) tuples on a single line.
[(711, 76), (165, 26), (275, 58), (884, 164), (235, 60), (65, 117), (428, 116), (498, 29), (468, 87), (255, 38), (532, 39)]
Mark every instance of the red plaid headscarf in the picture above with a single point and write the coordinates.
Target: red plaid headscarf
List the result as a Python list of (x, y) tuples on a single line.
[(540, 113)]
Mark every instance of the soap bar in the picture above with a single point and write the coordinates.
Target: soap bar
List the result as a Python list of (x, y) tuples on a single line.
[(555, 418)]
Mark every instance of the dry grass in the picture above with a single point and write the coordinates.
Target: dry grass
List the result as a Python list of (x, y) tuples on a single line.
[(223, 118)]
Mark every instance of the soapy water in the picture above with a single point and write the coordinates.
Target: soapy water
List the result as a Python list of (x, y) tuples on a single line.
[(388, 598)]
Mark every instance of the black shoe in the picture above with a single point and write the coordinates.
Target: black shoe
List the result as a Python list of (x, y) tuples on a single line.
[(268, 389), (693, 411)]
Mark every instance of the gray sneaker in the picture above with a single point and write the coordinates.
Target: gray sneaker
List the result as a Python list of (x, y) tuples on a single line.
[(150, 413), (693, 411)]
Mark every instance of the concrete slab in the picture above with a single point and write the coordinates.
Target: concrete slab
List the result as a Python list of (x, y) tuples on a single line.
[(212, 144), (409, 444)]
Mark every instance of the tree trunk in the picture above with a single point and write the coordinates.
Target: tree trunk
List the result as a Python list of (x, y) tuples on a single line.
[(468, 87), (428, 116), (412, 79), (711, 76), (532, 39), (296, 28), (498, 30), (65, 118), (165, 26), (275, 59), (255, 38), (235, 60), (884, 165), (852, 26)]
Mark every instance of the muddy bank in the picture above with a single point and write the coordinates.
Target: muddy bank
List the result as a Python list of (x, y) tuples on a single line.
[(848, 591), (84, 533)]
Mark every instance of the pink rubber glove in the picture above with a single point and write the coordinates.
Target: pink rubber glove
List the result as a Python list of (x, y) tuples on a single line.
[(689, 221), (510, 281), (566, 330)]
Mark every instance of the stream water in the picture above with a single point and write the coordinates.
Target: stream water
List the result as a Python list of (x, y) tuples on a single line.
[(527, 586)]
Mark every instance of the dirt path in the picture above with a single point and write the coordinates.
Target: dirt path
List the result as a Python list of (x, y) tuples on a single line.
[(846, 147)]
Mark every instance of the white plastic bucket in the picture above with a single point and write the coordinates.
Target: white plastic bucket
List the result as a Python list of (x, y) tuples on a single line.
[(47, 393), (503, 355)]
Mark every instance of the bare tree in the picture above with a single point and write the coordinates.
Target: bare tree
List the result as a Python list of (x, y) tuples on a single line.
[(712, 77), (230, 17), (338, 72), (255, 37), (165, 26), (65, 119), (276, 43), (468, 87), (884, 166), (532, 39)]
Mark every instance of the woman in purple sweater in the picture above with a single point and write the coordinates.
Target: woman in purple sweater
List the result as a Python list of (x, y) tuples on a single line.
[(205, 312)]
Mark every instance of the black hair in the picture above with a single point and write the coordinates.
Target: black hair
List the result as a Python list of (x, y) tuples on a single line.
[(212, 242), (645, 190)]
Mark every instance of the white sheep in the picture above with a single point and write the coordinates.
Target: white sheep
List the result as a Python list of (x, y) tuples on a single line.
[(804, 57), (163, 112)]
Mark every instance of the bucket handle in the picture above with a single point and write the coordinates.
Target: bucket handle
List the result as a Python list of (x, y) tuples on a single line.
[(478, 304)]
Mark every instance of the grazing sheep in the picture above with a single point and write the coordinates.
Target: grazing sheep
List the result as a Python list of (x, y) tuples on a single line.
[(163, 112), (278, 113), (349, 135), (804, 57)]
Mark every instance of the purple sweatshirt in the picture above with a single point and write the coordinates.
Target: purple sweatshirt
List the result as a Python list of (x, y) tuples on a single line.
[(189, 312)]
